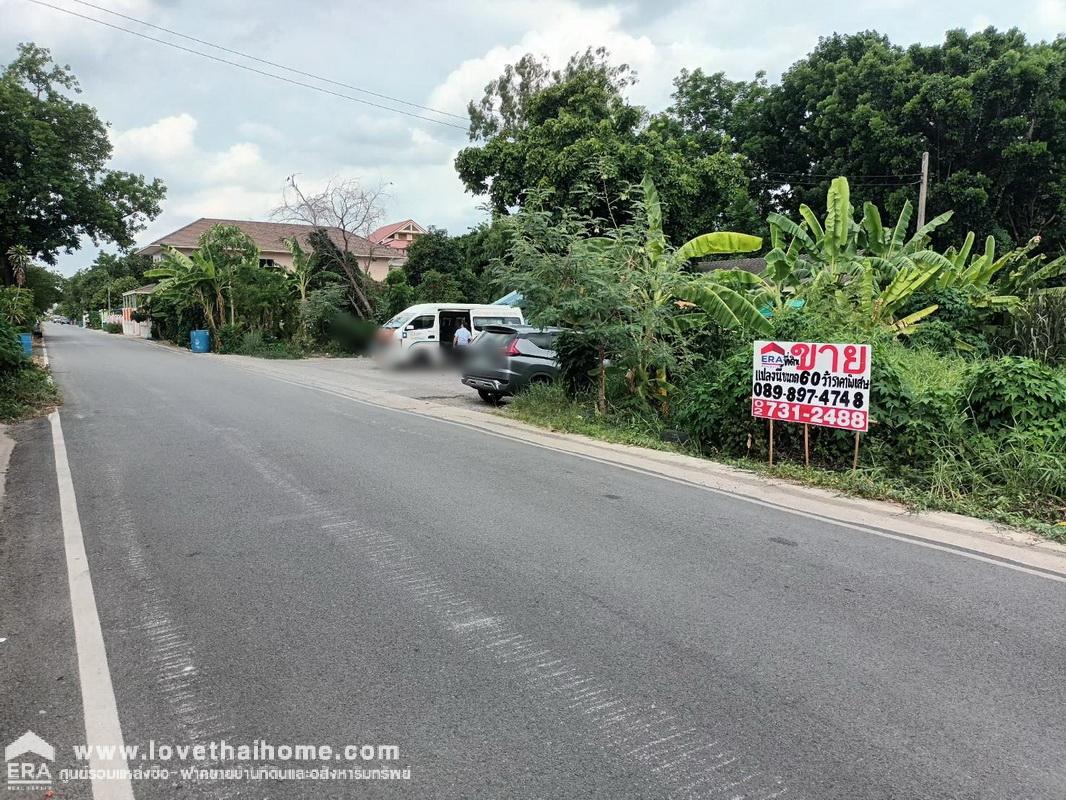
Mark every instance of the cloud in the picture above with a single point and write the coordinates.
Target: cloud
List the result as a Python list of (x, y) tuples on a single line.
[(1050, 16), (56, 30), (237, 164), (562, 29), (228, 201), (261, 132), (224, 140), (164, 140)]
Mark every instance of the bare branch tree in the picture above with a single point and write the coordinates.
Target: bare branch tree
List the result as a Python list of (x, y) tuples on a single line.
[(348, 212)]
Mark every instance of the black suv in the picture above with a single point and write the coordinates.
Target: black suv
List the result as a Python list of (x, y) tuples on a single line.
[(504, 359)]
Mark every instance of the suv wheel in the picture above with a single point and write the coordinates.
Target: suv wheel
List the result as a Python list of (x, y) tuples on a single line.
[(489, 397)]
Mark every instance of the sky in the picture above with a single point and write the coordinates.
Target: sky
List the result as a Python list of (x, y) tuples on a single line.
[(224, 140)]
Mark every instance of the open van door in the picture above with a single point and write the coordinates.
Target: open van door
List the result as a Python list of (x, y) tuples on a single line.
[(449, 324)]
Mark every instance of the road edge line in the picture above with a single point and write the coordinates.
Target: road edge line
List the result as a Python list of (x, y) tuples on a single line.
[(102, 728)]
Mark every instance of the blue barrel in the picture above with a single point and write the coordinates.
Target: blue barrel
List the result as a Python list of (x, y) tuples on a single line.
[(27, 343), (199, 341)]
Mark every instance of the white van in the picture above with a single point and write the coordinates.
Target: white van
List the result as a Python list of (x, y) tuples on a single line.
[(425, 331)]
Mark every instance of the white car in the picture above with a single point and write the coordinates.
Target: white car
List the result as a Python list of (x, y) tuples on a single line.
[(424, 332)]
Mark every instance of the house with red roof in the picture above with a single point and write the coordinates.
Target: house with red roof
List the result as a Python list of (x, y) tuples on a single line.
[(398, 235), (375, 259)]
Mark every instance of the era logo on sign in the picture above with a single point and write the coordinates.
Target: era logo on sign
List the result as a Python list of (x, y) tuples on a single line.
[(24, 773), (773, 355)]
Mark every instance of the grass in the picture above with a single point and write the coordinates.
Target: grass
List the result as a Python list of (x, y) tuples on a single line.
[(26, 392), (549, 407), (998, 480), (925, 370)]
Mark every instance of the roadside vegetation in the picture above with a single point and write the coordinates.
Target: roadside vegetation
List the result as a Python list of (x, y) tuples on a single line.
[(967, 414), (25, 388)]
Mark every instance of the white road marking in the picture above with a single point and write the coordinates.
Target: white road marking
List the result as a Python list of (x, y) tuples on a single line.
[(102, 728)]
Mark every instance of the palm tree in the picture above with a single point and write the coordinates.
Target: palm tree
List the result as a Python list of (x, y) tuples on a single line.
[(19, 258)]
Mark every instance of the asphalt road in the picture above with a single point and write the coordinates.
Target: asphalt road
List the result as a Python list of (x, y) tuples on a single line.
[(275, 563)]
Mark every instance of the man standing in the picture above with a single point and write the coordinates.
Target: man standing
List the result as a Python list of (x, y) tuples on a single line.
[(462, 335)]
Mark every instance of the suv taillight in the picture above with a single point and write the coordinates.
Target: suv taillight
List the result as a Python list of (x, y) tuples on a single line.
[(512, 349)]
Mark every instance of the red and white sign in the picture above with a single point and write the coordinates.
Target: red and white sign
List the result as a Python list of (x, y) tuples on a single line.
[(812, 382)]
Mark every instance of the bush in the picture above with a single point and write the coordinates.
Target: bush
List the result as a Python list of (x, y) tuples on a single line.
[(714, 405), (351, 334), (16, 307), (1016, 392), (230, 338), (256, 343), (112, 327), (578, 359), (908, 420), (943, 337), (25, 390), (318, 311), (11, 356)]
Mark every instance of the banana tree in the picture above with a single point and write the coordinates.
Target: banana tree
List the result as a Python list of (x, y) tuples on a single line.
[(302, 272), (880, 306), (668, 301), (1005, 278), (842, 246), (192, 281)]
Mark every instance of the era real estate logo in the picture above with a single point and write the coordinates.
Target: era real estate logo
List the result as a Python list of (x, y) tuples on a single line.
[(773, 355), (25, 759)]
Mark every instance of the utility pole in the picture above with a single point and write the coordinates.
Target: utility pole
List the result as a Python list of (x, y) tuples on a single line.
[(924, 188)]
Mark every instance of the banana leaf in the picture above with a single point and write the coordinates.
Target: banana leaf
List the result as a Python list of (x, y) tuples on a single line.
[(723, 305), (900, 230), (717, 243), (782, 223), (875, 231)]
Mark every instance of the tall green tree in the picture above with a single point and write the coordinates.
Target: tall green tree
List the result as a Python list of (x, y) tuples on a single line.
[(989, 107), (54, 184), (109, 275), (572, 137), (435, 250)]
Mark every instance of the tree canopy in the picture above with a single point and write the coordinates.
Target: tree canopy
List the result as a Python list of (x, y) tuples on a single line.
[(989, 107), (54, 184)]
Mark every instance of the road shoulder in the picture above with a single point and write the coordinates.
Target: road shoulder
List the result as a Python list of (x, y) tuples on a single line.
[(38, 662), (967, 536)]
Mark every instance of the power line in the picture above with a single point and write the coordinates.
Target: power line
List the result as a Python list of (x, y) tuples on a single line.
[(269, 63), (250, 69), (837, 174), (855, 184)]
